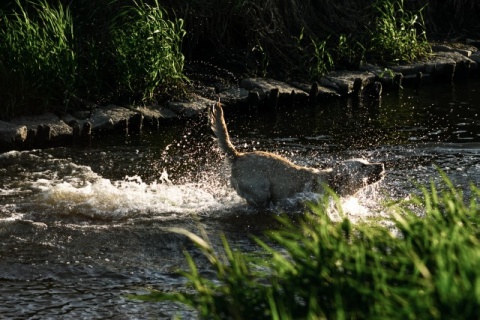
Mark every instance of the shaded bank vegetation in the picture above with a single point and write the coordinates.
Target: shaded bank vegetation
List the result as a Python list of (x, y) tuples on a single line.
[(55, 57), (60, 55), (427, 268)]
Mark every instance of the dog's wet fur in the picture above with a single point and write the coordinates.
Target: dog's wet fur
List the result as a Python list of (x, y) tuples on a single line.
[(262, 178)]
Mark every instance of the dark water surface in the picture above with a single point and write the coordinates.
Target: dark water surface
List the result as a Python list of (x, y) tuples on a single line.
[(83, 228)]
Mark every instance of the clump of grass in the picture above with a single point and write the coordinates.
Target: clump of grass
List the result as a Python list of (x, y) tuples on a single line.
[(37, 58), (107, 52), (147, 49), (322, 269), (398, 34), (349, 52)]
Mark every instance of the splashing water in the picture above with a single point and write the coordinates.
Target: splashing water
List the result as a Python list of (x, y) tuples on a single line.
[(119, 200), (366, 204), (52, 188)]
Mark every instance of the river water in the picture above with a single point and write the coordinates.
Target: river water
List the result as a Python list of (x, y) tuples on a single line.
[(82, 228)]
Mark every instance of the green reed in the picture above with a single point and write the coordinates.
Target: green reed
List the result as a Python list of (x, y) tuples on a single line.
[(425, 268), (398, 34), (147, 49), (37, 58), (107, 52)]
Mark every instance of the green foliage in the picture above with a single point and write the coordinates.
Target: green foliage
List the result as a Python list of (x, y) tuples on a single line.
[(319, 268), (37, 57), (107, 52), (147, 49), (321, 61), (126, 51), (395, 36), (444, 249), (349, 53), (304, 38)]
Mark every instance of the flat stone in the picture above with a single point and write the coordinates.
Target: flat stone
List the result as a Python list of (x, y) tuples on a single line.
[(154, 115), (52, 128), (410, 69), (475, 43), (234, 95), (264, 87), (33, 121), (455, 56), (323, 91), (149, 112), (82, 114), (189, 108), (70, 119), (446, 48), (415, 80), (343, 81), (476, 58), (110, 117), (443, 62), (11, 134), (167, 113)]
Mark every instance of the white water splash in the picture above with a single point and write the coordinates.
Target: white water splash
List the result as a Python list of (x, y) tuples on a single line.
[(364, 205), (129, 198)]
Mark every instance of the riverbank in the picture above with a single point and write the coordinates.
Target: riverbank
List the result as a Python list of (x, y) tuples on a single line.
[(448, 63), (62, 56)]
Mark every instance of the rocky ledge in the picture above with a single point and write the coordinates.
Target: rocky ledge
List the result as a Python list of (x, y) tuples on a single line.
[(446, 65)]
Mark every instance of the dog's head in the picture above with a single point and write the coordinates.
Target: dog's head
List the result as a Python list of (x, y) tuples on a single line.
[(348, 177)]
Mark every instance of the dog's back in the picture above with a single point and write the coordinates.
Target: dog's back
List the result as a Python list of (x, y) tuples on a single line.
[(263, 177)]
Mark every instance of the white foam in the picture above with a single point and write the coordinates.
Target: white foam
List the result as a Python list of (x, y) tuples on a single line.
[(364, 205), (129, 198)]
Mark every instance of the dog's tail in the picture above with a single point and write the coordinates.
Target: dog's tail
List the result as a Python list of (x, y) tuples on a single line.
[(217, 123)]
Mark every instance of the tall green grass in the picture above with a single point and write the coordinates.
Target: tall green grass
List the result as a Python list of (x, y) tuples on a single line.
[(425, 268), (398, 35), (121, 51), (147, 49), (37, 58)]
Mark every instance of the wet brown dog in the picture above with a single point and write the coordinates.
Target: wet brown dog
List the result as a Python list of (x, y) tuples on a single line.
[(262, 178)]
